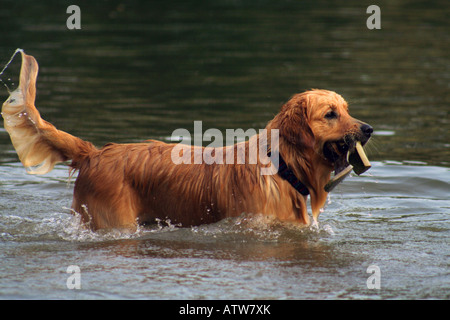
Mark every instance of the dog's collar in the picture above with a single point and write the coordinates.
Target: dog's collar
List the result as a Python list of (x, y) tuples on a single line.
[(288, 175)]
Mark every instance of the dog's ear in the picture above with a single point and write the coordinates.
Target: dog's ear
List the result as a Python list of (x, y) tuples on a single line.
[(293, 123)]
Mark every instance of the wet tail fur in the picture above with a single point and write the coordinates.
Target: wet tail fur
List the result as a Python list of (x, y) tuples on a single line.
[(38, 143)]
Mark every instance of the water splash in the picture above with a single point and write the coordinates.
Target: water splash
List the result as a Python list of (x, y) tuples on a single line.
[(259, 227), (73, 229), (6, 66)]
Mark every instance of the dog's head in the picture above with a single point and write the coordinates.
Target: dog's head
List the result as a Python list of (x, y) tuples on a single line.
[(318, 121)]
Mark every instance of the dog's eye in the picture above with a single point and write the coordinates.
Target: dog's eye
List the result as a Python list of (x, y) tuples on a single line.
[(331, 115)]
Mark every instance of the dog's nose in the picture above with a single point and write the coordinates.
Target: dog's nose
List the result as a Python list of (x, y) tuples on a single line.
[(367, 130)]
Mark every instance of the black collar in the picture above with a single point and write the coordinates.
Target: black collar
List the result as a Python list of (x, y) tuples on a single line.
[(288, 174)]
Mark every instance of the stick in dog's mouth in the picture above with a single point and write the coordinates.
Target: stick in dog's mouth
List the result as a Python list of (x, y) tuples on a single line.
[(359, 160), (355, 160)]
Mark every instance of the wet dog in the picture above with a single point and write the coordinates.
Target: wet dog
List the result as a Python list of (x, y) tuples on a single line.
[(123, 185)]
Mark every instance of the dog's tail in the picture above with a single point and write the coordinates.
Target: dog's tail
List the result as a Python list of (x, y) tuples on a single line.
[(38, 143)]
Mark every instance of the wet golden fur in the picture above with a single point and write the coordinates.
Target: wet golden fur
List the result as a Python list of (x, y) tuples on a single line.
[(121, 185)]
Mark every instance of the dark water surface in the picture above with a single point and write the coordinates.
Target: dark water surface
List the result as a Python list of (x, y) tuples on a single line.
[(139, 70)]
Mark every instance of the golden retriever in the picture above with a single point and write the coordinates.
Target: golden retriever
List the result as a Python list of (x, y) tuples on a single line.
[(123, 185)]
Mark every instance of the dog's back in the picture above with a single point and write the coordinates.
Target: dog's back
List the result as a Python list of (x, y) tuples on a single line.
[(124, 184)]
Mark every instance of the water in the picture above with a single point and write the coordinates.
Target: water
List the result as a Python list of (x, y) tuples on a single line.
[(242, 258), (137, 71), (6, 66)]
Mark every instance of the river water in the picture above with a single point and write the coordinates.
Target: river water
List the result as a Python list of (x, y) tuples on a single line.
[(140, 70)]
